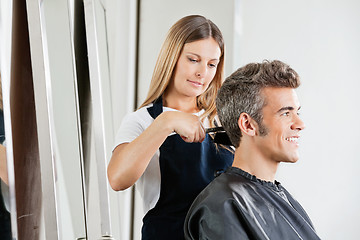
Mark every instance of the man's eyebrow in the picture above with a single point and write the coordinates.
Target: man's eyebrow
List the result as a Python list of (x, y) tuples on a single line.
[(288, 108)]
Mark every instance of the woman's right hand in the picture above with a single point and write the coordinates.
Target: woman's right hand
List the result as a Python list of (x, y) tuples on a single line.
[(130, 160), (187, 125)]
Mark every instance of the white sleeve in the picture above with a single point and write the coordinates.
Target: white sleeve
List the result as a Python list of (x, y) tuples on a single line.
[(132, 126)]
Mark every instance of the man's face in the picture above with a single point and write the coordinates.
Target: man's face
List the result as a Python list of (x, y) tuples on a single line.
[(281, 118)]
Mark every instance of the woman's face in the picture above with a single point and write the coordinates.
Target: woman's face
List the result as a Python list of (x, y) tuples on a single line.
[(195, 69)]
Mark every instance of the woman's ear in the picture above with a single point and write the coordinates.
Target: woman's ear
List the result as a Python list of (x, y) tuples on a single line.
[(247, 125)]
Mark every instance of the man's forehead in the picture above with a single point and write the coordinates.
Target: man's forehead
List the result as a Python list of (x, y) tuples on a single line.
[(278, 98)]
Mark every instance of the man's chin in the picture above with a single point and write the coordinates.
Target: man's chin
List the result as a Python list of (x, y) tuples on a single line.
[(294, 159)]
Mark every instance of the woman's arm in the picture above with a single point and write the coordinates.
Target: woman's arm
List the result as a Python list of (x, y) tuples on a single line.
[(3, 165), (129, 160)]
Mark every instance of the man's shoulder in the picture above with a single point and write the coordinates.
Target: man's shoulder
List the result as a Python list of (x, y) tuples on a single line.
[(223, 188), (215, 209)]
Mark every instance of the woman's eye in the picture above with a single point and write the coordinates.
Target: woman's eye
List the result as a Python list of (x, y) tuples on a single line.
[(192, 60), (212, 65)]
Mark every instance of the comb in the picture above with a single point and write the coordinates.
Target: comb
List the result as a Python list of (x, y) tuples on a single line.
[(220, 136)]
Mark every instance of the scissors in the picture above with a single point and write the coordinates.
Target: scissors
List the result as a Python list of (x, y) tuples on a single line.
[(220, 135)]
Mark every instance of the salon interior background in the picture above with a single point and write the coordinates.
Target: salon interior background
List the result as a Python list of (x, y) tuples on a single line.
[(80, 101)]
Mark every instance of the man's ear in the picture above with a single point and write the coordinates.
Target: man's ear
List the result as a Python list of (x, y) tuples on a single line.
[(247, 125)]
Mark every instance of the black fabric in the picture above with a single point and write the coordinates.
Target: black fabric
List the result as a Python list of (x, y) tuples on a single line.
[(237, 205), (2, 127), (5, 227), (186, 169)]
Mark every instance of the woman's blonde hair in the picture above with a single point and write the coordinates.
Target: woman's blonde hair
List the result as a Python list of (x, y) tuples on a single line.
[(188, 29)]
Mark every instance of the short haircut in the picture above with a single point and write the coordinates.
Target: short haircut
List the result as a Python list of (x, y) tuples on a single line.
[(241, 92)]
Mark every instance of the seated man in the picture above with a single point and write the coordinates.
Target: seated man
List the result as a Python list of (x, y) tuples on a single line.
[(259, 109)]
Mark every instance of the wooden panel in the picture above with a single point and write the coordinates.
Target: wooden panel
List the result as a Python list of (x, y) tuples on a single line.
[(25, 143)]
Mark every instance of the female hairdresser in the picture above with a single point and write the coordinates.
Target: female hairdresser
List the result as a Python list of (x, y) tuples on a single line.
[(163, 146)]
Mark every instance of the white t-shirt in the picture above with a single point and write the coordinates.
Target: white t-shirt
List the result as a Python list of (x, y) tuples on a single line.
[(131, 127)]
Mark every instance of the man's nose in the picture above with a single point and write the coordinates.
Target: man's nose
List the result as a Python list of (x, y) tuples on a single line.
[(298, 123)]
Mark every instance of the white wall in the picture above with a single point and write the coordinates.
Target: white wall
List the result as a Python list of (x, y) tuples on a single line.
[(320, 40)]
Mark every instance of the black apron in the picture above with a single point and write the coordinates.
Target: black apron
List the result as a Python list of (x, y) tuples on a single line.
[(186, 169), (5, 227)]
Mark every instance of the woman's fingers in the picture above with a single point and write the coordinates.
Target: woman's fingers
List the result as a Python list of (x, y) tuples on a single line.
[(196, 134), (202, 132), (187, 125)]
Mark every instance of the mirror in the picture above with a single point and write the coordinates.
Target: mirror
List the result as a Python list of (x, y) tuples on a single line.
[(19, 115), (88, 63), (105, 21), (5, 217), (5, 220), (55, 87)]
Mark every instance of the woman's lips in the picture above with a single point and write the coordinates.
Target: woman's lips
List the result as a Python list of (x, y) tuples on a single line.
[(196, 84)]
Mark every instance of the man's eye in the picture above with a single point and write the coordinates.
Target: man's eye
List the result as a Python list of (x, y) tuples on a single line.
[(285, 114)]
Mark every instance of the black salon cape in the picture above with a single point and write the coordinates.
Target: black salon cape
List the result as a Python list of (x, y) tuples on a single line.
[(237, 205)]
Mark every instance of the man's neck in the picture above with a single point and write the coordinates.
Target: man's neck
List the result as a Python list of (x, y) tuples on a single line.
[(253, 162)]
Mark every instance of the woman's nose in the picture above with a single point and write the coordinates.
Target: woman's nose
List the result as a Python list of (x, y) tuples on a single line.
[(201, 71)]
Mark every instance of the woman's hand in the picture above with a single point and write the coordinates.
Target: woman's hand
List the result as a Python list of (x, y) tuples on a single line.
[(3, 164), (187, 125), (129, 160)]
